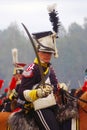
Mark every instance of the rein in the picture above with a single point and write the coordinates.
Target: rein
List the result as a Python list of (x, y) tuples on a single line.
[(68, 96), (74, 98), (83, 109)]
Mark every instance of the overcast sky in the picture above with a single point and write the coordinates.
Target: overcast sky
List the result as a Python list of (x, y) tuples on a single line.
[(33, 13)]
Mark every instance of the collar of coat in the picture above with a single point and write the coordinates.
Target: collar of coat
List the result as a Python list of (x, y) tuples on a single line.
[(46, 65)]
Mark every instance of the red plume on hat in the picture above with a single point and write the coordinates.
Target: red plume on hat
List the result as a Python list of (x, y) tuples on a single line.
[(1, 83)]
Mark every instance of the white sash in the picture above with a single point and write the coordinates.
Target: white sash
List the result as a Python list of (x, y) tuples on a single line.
[(44, 102)]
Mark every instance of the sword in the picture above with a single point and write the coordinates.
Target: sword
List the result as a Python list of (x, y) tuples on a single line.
[(35, 49)]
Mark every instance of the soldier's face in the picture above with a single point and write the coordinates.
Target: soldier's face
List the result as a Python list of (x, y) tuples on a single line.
[(45, 56)]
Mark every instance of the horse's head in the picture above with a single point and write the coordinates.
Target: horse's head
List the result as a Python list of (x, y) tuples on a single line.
[(81, 96)]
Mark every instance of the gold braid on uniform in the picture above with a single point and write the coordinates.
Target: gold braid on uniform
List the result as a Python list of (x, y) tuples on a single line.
[(43, 65)]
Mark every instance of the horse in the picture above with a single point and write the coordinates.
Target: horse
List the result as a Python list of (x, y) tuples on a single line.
[(82, 103), (5, 115), (81, 97), (3, 120)]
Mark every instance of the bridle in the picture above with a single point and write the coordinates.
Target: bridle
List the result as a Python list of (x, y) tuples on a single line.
[(68, 96)]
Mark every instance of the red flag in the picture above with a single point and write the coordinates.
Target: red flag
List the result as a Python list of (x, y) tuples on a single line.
[(6, 90), (12, 83), (1, 83), (0, 101)]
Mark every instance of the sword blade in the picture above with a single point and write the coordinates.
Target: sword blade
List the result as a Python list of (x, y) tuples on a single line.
[(36, 52)]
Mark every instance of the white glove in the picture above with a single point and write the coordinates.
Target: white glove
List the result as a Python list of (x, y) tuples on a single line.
[(44, 91)]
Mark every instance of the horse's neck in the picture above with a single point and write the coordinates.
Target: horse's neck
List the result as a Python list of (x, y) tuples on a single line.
[(82, 103), (82, 119)]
